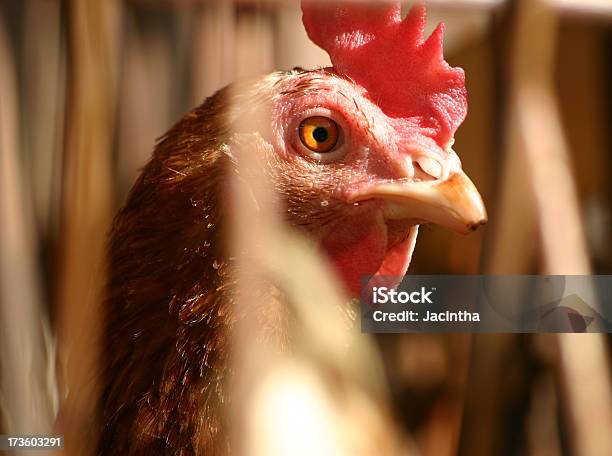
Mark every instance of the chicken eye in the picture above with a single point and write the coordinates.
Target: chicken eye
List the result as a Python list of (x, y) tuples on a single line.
[(319, 134)]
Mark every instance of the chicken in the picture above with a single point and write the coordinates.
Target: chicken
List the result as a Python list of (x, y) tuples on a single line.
[(359, 154)]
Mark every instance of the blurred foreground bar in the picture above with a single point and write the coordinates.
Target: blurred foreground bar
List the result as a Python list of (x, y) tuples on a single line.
[(535, 120), (86, 212), (26, 354)]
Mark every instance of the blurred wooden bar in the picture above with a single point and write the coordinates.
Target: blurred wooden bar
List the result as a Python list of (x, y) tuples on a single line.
[(584, 358), (27, 388), (594, 8), (44, 110), (254, 51), (543, 437), (583, 76), (214, 48), (86, 212), (146, 104)]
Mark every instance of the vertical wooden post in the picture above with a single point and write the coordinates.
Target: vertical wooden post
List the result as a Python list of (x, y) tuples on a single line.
[(254, 51), (44, 79), (85, 213), (26, 358), (214, 48), (583, 358)]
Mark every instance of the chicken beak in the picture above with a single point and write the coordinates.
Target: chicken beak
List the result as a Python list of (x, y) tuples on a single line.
[(453, 203)]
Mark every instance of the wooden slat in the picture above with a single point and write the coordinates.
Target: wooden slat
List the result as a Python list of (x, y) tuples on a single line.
[(26, 358), (584, 359), (297, 388), (213, 59), (254, 51), (601, 9), (44, 101), (93, 29), (148, 91)]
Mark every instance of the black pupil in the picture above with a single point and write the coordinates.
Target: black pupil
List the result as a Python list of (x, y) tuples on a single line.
[(320, 134)]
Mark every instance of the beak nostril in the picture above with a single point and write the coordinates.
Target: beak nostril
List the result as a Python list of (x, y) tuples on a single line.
[(429, 166)]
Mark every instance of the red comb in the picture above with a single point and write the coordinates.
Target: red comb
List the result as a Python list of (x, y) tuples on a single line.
[(404, 74)]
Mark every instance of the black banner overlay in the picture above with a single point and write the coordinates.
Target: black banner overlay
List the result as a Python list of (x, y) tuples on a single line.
[(487, 304)]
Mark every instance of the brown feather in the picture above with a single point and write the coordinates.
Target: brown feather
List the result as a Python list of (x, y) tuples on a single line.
[(168, 309)]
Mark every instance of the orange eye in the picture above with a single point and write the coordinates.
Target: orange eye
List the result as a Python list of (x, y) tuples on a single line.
[(319, 134)]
